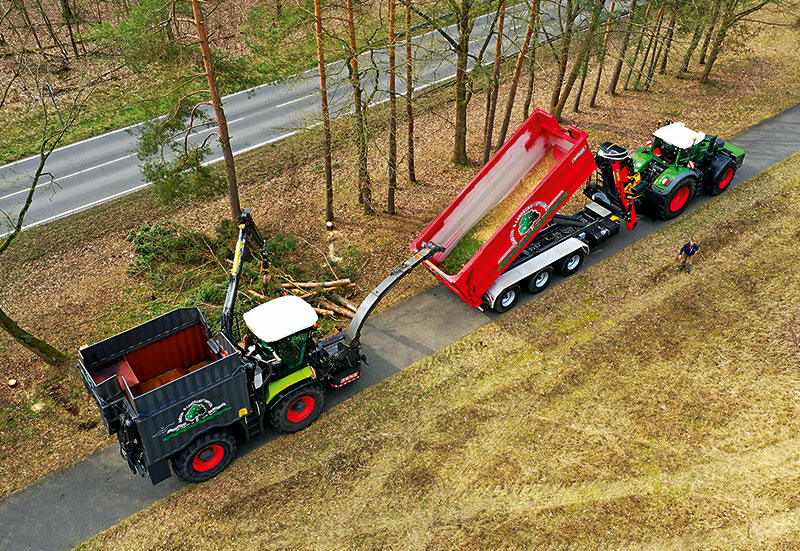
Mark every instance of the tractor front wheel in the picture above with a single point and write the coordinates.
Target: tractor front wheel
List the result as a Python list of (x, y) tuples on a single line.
[(723, 180), (299, 409), (205, 457), (676, 201)]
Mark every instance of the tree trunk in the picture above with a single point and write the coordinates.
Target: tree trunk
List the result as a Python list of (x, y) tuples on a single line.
[(326, 120), (725, 24), (50, 30), (364, 183), (715, 12), (462, 55), (579, 92), (532, 18), (20, 5), (639, 42), (412, 173), (563, 56), (582, 53), (531, 73), (392, 113), (650, 45), (612, 86), (47, 353), (670, 34), (698, 31), (69, 19), (603, 50), (216, 101), (491, 97)]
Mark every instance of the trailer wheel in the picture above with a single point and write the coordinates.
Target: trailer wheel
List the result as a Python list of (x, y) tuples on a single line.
[(507, 299), (539, 281), (299, 409), (206, 457), (675, 202), (570, 263)]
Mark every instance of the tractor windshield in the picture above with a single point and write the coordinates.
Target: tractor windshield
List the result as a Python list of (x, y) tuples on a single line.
[(292, 349), (665, 151)]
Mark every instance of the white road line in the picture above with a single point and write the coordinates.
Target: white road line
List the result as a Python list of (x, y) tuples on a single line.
[(82, 207), (59, 178)]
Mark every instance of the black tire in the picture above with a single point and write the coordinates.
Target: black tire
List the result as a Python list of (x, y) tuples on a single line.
[(722, 179), (675, 202), (507, 299), (570, 263), (299, 409), (539, 281), (206, 456)]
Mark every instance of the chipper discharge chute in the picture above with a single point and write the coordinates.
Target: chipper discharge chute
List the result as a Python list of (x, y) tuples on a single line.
[(511, 199)]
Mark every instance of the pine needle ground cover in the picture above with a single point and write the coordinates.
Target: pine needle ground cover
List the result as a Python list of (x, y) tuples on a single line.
[(480, 233), (633, 406)]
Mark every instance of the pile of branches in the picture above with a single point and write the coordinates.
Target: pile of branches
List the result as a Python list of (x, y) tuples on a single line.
[(328, 298)]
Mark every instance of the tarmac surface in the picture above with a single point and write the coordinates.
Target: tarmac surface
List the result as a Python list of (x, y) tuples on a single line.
[(72, 505)]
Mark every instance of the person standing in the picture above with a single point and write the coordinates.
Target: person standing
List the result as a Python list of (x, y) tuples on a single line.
[(686, 254)]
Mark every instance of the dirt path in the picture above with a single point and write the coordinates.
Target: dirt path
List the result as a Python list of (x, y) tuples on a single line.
[(66, 508)]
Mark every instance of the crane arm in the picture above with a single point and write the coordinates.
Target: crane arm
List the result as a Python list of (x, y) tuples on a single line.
[(247, 229)]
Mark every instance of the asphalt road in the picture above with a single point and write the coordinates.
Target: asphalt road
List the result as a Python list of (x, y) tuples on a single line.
[(105, 167), (72, 505)]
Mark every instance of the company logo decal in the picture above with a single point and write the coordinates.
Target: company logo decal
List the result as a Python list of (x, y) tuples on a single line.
[(195, 413), (527, 224)]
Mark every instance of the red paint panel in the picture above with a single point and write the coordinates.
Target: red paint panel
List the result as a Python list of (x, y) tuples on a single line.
[(179, 351), (537, 136)]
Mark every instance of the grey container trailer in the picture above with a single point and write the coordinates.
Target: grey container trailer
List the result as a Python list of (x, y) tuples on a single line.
[(161, 384)]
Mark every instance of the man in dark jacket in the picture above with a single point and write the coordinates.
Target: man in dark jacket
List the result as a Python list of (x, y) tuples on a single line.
[(686, 254)]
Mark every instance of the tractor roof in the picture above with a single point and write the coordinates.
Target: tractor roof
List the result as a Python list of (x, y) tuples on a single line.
[(280, 318), (678, 135)]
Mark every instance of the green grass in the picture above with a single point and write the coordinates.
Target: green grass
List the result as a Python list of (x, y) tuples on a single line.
[(633, 406)]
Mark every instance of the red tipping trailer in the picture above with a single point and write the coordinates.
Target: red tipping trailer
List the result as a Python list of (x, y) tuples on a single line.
[(538, 135)]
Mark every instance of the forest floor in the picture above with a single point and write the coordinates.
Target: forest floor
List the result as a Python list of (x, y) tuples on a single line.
[(68, 281), (634, 406)]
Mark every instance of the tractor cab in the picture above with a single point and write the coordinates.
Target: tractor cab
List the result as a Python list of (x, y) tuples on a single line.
[(675, 142), (279, 332)]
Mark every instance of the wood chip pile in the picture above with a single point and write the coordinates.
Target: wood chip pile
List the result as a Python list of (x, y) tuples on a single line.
[(480, 233)]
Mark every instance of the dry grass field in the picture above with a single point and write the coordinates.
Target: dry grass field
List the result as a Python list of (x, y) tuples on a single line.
[(632, 407), (68, 281)]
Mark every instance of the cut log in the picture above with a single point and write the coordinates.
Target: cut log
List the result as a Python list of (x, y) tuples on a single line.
[(323, 312), (344, 302), (336, 308), (315, 284)]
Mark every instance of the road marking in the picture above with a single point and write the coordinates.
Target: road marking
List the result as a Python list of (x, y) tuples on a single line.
[(82, 207), (56, 179)]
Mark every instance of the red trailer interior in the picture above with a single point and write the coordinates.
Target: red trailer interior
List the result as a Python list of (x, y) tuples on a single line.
[(162, 361), (539, 135)]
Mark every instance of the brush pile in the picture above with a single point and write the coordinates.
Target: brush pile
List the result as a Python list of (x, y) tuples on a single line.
[(328, 298)]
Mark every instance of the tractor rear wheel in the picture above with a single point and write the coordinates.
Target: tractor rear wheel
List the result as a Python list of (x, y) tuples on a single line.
[(722, 179), (507, 299), (570, 263), (539, 281), (299, 409), (206, 457), (676, 201)]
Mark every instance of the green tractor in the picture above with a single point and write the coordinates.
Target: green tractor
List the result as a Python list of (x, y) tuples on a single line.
[(678, 163)]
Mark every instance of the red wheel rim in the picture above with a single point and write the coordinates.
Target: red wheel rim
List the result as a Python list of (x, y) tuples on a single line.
[(300, 409), (208, 458), (726, 179), (680, 198)]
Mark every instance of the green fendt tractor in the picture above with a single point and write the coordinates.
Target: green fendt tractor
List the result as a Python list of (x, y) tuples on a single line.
[(677, 163)]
